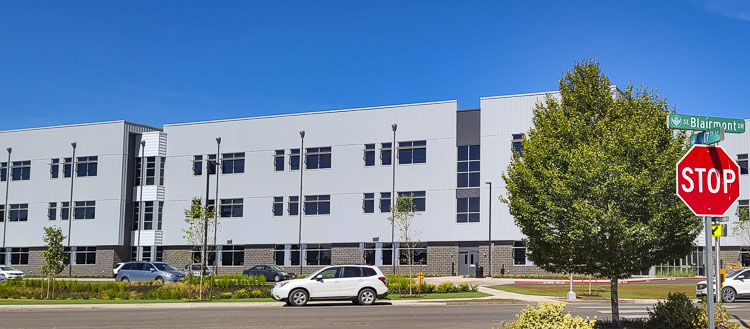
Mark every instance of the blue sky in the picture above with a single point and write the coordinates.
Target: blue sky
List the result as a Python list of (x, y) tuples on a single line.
[(157, 62)]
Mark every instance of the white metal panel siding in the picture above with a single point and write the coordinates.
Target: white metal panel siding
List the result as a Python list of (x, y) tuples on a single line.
[(150, 193), (156, 144)]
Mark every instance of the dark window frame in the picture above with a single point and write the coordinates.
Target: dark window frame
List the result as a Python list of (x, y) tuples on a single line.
[(468, 166), (87, 166), (277, 206), (232, 255), (368, 155), (18, 212), (465, 210), (231, 208), (318, 158), (278, 160), (419, 199), (317, 205), (318, 254), (412, 152), (84, 210), (20, 170), (368, 203), (232, 163)]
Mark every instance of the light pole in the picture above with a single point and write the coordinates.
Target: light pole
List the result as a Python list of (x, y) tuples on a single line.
[(393, 198), (141, 205), (299, 205), (489, 230), (216, 202), (70, 208), (6, 210)]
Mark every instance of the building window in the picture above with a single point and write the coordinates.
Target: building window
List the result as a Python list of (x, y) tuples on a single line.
[(136, 215), (467, 210), (85, 255), (231, 208), (211, 164), (385, 201), (3, 171), (294, 159), (2, 216), (317, 204), (369, 253), (159, 216), (412, 152), (18, 212), (520, 253), (468, 166), (278, 160), (146, 253), (386, 154), (52, 211), (21, 170), (369, 155), (318, 158), (67, 167), (742, 161), (148, 215), (86, 166), (278, 206), (743, 206), (162, 162), (294, 254), (197, 165), (54, 169), (278, 254), (232, 255), (232, 163), (418, 199), (84, 209), (19, 256), (150, 171), (293, 206), (159, 254), (64, 210), (418, 254), (210, 255), (386, 253), (368, 203), (318, 254), (517, 144)]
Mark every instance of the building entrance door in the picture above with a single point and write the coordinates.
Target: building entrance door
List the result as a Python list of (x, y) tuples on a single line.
[(467, 262)]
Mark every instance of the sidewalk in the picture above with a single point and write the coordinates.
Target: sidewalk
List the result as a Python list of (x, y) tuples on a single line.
[(502, 281)]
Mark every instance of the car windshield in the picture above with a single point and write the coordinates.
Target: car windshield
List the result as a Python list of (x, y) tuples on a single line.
[(733, 273), (7, 268), (164, 267), (276, 268)]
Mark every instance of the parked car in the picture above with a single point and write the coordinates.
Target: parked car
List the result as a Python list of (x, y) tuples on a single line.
[(195, 270), (148, 271), (271, 272), (736, 285), (11, 273), (2, 278), (116, 269), (358, 283)]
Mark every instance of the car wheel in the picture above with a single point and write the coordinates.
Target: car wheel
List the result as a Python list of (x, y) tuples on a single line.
[(366, 296), (276, 278), (728, 294), (124, 279), (159, 280), (298, 297)]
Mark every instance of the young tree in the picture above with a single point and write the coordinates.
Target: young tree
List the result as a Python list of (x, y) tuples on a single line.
[(742, 228), (594, 187), (403, 216), (55, 258), (199, 219)]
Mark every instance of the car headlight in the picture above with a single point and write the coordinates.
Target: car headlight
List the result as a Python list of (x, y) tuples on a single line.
[(168, 274)]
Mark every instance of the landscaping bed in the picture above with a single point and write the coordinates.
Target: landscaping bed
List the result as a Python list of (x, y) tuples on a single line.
[(629, 291)]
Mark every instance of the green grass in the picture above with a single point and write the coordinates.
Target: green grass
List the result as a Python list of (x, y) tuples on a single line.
[(629, 291), (442, 296), (128, 301)]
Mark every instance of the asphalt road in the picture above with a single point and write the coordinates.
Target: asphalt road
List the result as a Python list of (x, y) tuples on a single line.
[(330, 315)]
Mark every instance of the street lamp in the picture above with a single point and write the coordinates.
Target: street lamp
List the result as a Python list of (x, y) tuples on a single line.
[(141, 205), (216, 199), (299, 204), (393, 198), (6, 210), (489, 230), (70, 208)]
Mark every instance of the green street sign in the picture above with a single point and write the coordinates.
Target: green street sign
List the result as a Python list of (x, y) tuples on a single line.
[(703, 123), (708, 137)]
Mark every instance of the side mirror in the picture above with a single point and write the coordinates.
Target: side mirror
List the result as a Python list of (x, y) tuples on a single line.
[(320, 277), (153, 269)]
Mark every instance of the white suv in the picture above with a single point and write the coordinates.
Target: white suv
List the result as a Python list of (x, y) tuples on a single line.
[(736, 285), (358, 283)]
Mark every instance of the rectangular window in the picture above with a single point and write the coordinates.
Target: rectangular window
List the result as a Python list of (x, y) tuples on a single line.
[(467, 210), (2, 256), (159, 216), (67, 167), (369, 253), (150, 170), (385, 201), (159, 254), (278, 160), (64, 210), (386, 252), (3, 171), (148, 215), (2, 216), (368, 203), (232, 255), (162, 163), (468, 166), (418, 199), (418, 253), (743, 207), (52, 211), (742, 162), (294, 159), (412, 152), (146, 254), (294, 254), (84, 209), (54, 169), (197, 165), (136, 215), (293, 206), (520, 253), (232, 163), (278, 254), (18, 212), (211, 164), (386, 155), (318, 158), (20, 170), (138, 172), (278, 206), (231, 207), (318, 254), (317, 204), (517, 144), (85, 255), (19, 256), (369, 155), (86, 166)]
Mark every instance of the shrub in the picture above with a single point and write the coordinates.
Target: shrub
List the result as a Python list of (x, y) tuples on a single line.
[(447, 287), (224, 295), (428, 288), (677, 312), (242, 293), (548, 316), (464, 287), (259, 293), (721, 318)]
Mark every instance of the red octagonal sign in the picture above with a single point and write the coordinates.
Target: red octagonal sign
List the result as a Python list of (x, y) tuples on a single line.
[(708, 180)]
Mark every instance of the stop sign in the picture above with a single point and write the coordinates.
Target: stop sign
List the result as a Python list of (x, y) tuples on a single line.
[(708, 180)]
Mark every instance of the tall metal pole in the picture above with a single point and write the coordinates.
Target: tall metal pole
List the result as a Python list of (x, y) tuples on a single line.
[(393, 198), (709, 275), (216, 202), (299, 205), (141, 204), (70, 208), (489, 229), (205, 226), (6, 210), (718, 267)]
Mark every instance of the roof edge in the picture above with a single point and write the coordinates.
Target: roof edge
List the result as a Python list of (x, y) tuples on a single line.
[(80, 125)]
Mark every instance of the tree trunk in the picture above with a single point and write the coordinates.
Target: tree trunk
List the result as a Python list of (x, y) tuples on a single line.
[(54, 285), (614, 303)]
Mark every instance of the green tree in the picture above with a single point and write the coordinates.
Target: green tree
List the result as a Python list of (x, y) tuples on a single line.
[(741, 229), (199, 219), (403, 217), (55, 258), (594, 187)]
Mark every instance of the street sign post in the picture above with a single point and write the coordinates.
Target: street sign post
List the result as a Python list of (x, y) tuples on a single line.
[(703, 123), (708, 137)]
